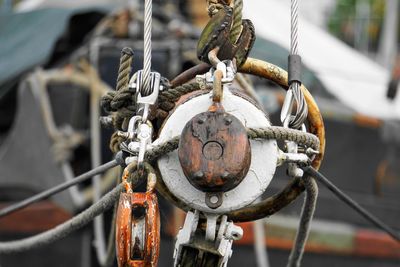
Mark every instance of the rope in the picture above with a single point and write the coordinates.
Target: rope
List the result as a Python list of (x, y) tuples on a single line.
[(124, 71), (350, 202), (110, 254), (107, 201), (65, 228), (52, 191), (215, 5), (168, 98), (237, 21), (307, 213), (284, 134), (122, 100), (146, 90), (272, 132)]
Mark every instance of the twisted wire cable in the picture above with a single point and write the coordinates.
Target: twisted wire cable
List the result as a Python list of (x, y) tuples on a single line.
[(302, 109), (146, 90)]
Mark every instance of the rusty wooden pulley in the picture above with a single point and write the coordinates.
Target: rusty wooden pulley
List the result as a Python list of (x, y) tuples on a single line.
[(137, 234), (214, 151)]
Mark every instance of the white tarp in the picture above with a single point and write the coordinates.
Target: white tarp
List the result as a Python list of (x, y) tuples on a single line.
[(353, 78)]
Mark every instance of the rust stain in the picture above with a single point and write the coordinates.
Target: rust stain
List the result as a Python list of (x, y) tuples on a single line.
[(123, 236)]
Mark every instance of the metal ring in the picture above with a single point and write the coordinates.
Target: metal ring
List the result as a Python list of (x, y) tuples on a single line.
[(292, 190)]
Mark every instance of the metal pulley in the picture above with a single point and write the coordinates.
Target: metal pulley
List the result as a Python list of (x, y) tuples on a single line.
[(138, 228)]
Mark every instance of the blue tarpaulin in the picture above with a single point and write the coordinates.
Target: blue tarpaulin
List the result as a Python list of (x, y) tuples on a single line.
[(27, 39)]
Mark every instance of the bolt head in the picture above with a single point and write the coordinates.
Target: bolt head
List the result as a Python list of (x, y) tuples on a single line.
[(226, 175), (199, 175)]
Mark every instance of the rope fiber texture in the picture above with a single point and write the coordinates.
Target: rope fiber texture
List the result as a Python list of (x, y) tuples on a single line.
[(215, 5), (109, 199), (307, 213), (122, 101), (65, 228)]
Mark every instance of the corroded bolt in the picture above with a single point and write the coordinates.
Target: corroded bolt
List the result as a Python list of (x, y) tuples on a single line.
[(226, 175), (228, 121), (199, 175), (201, 120)]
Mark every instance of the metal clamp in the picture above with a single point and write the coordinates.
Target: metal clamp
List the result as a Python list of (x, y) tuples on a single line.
[(144, 134), (228, 69), (292, 157), (217, 243), (146, 100)]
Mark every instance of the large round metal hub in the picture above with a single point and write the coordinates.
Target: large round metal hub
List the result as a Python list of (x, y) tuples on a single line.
[(264, 155)]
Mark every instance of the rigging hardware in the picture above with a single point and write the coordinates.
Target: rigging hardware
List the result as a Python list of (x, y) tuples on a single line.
[(138, 226)]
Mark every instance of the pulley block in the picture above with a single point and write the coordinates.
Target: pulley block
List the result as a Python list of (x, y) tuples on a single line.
[(214, 151), (138, 230)]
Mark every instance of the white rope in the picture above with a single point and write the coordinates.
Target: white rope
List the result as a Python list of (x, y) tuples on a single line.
[(147, 47)]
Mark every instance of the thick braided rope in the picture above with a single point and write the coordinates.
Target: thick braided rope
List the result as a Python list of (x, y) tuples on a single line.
[(65, 228), (269, 133), (109, 199), (237, 21), (124, 69), (167, 99), (122, 99), (284, 134)]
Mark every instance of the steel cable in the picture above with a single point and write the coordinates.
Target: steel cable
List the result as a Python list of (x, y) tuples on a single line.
[(301, 110), (52, 191), (350, 202), (146, 90)]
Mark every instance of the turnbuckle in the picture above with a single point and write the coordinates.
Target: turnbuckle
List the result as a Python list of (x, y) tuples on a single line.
[(138, 226)]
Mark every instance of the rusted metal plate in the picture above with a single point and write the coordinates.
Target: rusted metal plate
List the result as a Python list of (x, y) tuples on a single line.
[(137, 234), (214, 151)]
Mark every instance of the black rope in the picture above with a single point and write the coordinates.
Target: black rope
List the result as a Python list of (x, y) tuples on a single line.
[(52, 191), (349, 201)]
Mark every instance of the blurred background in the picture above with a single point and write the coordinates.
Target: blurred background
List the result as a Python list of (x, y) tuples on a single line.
[(57, 57)]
